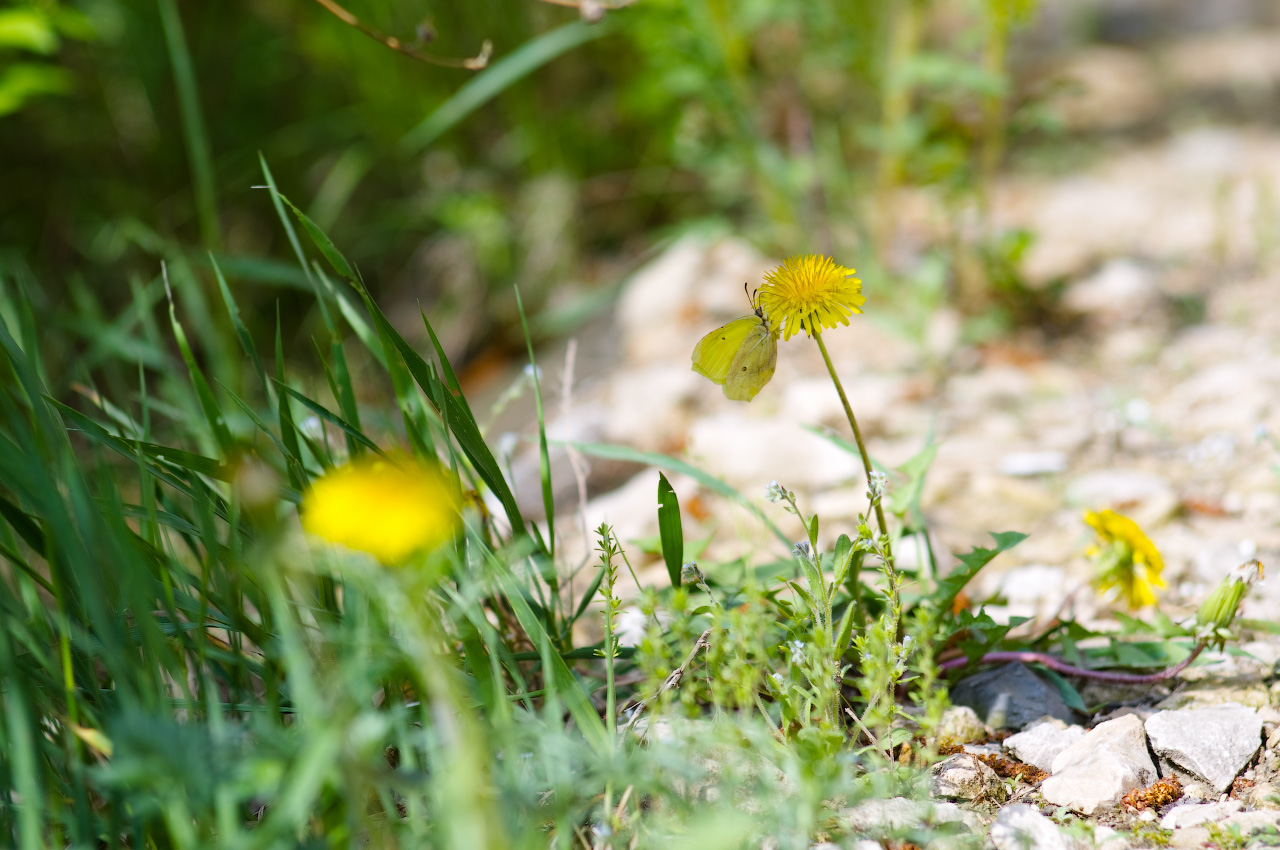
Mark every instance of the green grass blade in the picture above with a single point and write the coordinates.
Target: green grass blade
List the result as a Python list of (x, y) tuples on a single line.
[(204, 393), (497, 78), (193, 128), (333, 419), (318, 237), (544, 458), (670, 529), (242, 332), (452, 408), (285, 221)]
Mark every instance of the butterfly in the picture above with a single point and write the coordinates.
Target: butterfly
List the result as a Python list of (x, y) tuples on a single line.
[(740, 356)]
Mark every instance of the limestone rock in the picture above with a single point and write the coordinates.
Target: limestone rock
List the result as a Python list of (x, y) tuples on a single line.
[(960, 725), (963, 777), (1021, 827), (1194, 814), (1039, 744), (885, 818), (1213, 743), (1108, 762), (1010, 696)]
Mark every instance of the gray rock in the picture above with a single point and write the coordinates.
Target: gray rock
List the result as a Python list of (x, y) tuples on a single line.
[(1108, 762), (1041, 742), (886, 818), (1010, 697), (963, 777), (1021, 827), (1251, 822), (1215, 744), (1194, 814), (960, 725)]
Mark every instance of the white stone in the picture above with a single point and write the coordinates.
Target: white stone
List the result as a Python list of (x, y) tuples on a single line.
[(1195, 814), (1108, 762), (1021, 464), (963, 777), (1021, 827), (1039, 744), (1213, 743)]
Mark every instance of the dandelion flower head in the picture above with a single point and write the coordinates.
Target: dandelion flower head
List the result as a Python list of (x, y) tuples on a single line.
[(809, 292), (1126, 558), (390, 508)]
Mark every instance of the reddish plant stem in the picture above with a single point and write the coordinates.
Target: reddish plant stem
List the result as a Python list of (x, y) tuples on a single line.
[(1057, 664)]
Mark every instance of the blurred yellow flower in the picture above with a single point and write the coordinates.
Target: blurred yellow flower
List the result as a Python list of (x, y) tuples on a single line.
[(808, 292), (389, 508), (1126, 558)]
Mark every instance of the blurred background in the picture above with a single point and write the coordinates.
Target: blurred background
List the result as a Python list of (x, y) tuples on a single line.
[(131, 130)]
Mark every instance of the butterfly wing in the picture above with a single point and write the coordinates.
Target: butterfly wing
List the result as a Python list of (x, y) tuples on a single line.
[(715, 353), (753, 364)]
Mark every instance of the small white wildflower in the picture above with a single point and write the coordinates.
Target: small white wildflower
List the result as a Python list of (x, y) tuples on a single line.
[(530, 371), (878, 483), (1261, 432), (797, 651), (690, 574), (775, 492), (803, 550)]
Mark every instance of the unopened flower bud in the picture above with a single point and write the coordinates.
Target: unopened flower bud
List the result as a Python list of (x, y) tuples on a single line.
[(1218, 612)]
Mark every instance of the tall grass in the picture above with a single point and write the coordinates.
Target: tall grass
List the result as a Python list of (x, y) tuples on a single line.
[(182, 668)]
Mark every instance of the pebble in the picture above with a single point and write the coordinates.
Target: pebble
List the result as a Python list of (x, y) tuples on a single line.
[(1021, 827), (960, 725), (1025, 464), (1194, 814), (1009, 697), (1215, 744), (963, 777), (885, 818), (1041, 742), (1108, 762)]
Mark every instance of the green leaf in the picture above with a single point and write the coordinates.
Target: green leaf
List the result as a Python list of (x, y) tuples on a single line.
[(1068, 691), (950, 585), (670, 529)]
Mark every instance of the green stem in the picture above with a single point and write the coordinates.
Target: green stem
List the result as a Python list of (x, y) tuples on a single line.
[(857, 435)]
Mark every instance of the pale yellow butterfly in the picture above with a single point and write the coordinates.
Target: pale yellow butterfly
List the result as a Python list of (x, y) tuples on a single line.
[(740, 356)]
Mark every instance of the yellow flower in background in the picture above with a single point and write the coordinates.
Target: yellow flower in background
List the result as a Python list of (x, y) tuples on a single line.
[(390, 508), (1126, 558), (808, 292)]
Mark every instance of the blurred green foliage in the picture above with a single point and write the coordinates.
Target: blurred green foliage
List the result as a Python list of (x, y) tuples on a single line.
[(789, 122)]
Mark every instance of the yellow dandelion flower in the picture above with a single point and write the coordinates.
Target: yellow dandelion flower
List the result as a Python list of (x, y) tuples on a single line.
[(809, 292), (388, 508), (1126, 558)]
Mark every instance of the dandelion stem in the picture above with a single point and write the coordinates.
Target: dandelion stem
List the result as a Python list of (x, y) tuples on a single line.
[(857, 433), (1060, 666)]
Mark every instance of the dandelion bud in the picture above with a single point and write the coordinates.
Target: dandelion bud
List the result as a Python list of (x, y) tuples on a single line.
[(1217, 613)]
